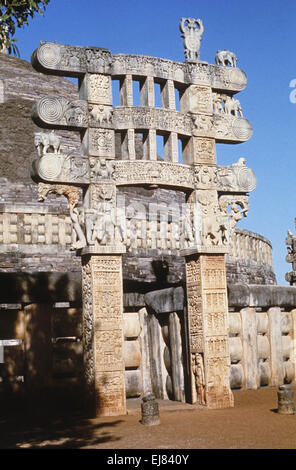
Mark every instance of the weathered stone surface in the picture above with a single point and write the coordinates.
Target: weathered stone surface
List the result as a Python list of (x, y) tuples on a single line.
[(131, 325), (150, 411), (264, 373), (145, 352), (133, 383), (103, 335), (166, 300), (236, 376), (242, 295), (235, 323), (208, 335), (235, 349), (131, 353), (22, 85), (286, 403), (249, 342)]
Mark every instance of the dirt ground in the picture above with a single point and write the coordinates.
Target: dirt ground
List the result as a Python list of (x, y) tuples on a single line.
[(253, 423)]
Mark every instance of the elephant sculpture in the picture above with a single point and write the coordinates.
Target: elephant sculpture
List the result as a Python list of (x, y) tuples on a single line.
[(43, 142), (233, 106), (226, 58)]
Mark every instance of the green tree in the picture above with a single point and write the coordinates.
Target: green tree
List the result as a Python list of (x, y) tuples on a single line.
[(15, 14)]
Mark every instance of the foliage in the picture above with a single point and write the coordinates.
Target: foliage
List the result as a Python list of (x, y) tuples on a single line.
[(15, 14)]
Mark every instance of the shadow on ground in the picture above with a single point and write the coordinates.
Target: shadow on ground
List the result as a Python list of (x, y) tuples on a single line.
[(54, 433)]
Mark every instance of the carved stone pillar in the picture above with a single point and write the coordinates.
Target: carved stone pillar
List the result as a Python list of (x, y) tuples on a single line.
[(208, 330), (149, 147), (128, 151), (168, 95), (103, 334), (171, 153), (147, 97), (126, 91)]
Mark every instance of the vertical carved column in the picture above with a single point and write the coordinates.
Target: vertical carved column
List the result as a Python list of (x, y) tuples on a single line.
[(128, 150), (147, 97), (103, 334), (171, 153), (126, 91), (149, 147), (101, 259), (168, 95), (208, 330)]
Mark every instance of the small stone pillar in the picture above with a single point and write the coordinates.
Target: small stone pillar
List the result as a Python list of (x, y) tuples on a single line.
[(149, 409), (286, 405)]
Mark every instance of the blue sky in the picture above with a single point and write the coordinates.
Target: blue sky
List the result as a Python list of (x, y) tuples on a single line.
[(263, 36)]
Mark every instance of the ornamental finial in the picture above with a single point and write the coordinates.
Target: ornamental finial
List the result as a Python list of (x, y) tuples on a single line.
[(191, 30)]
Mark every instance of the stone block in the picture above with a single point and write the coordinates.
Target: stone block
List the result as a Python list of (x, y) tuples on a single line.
[(131, 353), (133, 383), (236, 376), (286, 347), (288, 372), (264, 372), (286, 323), (235, 323), (262, 322), (263, 347), (131, 325), (166, 300), (235, 349)]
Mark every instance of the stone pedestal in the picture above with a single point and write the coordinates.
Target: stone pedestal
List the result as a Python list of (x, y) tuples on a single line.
[(286, 405), (103, 335), (208, 335), (149, 409)]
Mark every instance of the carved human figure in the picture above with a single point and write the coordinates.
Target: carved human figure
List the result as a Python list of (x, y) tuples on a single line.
[(199, 377), (217, 103), (90, 218), (187, 226), (237, 210), (236, 215), (104, 226), (191, 30), (78, 237)]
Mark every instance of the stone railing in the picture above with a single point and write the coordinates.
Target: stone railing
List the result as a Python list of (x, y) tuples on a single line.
[(45, 225), (248, 245), (262, 330), (33, 224)]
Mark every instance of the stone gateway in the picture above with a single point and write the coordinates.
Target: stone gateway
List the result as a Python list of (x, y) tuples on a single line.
[(200, 229)]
